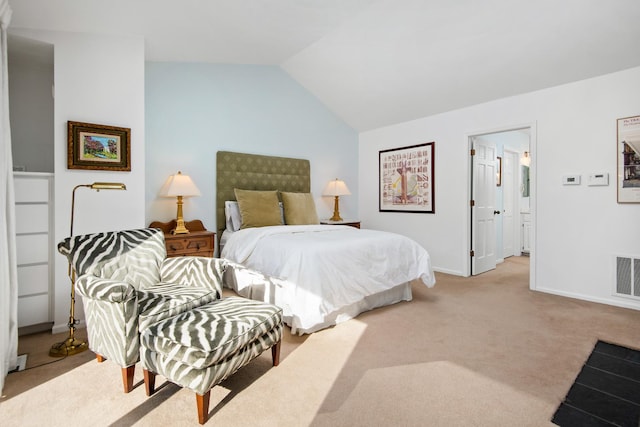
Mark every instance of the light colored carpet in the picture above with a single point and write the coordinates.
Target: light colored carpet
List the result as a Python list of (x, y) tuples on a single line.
[(482, 351)]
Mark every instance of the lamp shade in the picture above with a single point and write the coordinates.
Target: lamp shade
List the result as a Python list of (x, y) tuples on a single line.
[(179, 185), (108, 186), (336, 188)]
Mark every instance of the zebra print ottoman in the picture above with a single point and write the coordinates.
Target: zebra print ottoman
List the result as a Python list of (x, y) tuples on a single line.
[(200, 348)]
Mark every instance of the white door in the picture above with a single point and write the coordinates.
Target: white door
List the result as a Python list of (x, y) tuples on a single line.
[(483, 211), (510, 210)]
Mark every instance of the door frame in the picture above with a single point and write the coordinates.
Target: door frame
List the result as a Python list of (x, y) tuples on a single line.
[(533, 175)]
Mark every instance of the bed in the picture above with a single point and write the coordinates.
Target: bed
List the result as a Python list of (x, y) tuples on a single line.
[(320, 275)]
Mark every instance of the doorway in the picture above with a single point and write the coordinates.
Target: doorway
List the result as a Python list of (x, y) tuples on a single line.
[(510, 203), (500, 208)]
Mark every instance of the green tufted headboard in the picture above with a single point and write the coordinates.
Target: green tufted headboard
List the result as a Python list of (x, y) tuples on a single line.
[(256, 172)]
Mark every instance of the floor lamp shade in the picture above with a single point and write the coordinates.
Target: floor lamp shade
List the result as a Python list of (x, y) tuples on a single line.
[(179, 186), (72, 345), (336, 188)]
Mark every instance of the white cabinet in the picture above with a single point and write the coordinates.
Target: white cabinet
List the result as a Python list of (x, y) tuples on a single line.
[(34, 246), (525, 218)]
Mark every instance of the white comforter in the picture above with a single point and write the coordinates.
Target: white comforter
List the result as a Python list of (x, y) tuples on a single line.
[(326, 268)]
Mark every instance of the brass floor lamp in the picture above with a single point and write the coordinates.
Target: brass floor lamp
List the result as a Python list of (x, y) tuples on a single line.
[(72, 345)]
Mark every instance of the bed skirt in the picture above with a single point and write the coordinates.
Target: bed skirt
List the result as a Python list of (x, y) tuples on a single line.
[(257, 286)]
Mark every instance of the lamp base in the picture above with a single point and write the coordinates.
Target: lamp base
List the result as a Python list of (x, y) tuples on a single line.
[(68, 347), (336, 210), (180, 227)]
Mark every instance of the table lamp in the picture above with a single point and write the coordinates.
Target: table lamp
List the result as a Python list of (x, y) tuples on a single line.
[(179, 186), (336, 188)]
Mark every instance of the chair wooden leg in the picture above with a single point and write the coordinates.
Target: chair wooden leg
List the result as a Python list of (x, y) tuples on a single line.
[(275, 353), (127, 378), (100, 358), (149, 381), (203, 406)]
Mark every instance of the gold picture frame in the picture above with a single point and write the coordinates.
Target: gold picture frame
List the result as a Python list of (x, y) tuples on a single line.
[(98, 147)]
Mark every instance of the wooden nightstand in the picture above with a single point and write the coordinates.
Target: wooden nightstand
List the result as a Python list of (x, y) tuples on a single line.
[(349, 222), (198, 242)]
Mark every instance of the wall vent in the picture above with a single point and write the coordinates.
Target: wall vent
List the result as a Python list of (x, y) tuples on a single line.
[(627, 277)]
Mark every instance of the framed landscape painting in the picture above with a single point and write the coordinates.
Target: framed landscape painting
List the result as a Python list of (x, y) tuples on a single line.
[(406, 179), (98, 147)]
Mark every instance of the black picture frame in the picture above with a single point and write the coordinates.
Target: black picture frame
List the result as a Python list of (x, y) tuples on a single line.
[(628, 144), (406, 179)]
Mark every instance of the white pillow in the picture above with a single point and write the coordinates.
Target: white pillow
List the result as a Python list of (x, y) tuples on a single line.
[(232, 215)]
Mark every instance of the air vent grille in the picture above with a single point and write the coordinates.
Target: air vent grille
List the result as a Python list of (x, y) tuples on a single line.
[(627, 277)]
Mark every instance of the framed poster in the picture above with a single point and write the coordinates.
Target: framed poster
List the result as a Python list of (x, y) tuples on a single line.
[(406, 179), (628, 145), (98, 147)]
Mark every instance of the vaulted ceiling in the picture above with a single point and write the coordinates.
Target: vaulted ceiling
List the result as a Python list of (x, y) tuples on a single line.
[(375, 62)]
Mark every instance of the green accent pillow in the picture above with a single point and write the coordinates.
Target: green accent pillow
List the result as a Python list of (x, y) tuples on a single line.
[(299, 208), (258, 208)]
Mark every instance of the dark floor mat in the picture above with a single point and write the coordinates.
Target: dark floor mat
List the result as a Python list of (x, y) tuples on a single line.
[(606, 392)]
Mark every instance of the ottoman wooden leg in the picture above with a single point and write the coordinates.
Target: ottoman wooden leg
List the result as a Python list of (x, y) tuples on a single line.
[(203, 406), (275, 353), (100, 358), (149, 382), (127, 378)]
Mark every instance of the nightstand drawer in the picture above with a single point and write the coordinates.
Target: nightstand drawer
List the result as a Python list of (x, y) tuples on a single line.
[(196, 243)]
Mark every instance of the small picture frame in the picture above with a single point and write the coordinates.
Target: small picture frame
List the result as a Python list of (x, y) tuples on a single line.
[(499, 172), (406, 177), (98, 147)]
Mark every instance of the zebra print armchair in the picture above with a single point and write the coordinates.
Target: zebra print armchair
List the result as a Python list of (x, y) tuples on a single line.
[(128, 284)]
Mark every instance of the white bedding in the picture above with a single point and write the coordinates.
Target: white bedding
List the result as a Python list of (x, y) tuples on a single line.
[(330, 273)]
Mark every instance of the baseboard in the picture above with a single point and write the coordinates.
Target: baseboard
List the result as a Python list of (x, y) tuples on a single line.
[(623, 303), (34, 329), (447, 271)]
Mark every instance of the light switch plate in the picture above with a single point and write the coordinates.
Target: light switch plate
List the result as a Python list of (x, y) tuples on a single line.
[(571, 180), (598, 179)]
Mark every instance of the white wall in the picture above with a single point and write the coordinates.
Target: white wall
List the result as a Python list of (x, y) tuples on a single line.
[(578, 229), (194, 110), (98, 79)]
